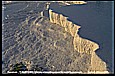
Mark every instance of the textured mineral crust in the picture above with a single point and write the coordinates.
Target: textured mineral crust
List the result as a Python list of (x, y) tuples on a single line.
[(80, 45), (48, 44)]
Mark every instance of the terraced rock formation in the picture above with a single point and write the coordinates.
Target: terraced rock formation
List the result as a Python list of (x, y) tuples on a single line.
[(41, 44), (81, 45)]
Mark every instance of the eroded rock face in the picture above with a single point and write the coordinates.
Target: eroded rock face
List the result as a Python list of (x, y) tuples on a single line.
[(84, 45), (80, 44), (44, 46), (97, 64)]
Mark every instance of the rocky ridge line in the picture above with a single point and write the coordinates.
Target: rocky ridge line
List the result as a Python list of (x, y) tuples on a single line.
[(81, 45), (73, 30), (42, 44)]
